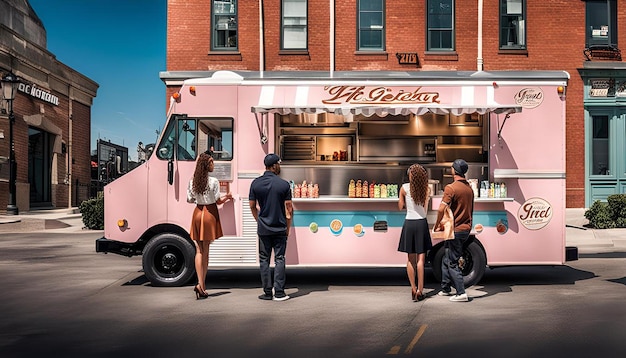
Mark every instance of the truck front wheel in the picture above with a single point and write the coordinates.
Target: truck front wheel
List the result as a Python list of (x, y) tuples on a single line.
[(472, 264), (168, 260)]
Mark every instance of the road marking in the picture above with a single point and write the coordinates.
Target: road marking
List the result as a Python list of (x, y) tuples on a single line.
[(418, 335), (409, 348)]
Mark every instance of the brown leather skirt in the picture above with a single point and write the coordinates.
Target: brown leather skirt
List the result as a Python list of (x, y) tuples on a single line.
[(205, 223)]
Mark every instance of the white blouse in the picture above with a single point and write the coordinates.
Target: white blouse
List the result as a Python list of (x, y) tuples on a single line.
[(211, 196), (413, 210)]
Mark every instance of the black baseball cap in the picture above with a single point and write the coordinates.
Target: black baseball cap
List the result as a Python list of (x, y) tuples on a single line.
[(460, 166), (271, 159)]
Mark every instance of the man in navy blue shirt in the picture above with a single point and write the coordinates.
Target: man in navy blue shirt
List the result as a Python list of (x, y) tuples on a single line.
[(273, 215)]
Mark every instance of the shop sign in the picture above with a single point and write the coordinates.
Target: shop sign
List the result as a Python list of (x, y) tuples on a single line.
[(43, 95), (535, 213), (529, 97), (407, 58), (600, 87), (378, 95)]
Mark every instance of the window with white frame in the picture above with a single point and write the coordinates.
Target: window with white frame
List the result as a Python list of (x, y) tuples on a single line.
[(440, 25), (512, 24), (294, 25), (371, 25), (224, 22), (601, 22)]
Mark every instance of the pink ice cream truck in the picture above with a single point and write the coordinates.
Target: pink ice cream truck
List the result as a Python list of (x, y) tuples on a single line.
[(346, 140)]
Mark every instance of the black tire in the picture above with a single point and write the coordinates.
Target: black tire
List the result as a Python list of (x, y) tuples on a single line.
[(472, 264), (168, 260), (436, 263)]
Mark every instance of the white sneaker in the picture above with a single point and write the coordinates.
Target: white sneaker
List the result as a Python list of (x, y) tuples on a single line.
[(460, 298), (281, 298), (444, 293)]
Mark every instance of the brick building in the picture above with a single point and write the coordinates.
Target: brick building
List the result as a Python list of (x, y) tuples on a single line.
[(52, 111), (580, 37)]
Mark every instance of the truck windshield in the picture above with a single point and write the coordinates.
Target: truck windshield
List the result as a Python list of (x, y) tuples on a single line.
[(179, 134)]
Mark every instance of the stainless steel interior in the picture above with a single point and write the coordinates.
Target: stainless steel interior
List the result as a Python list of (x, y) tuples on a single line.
[(379, 149), (429, 138), (412, 149), (297, 148)]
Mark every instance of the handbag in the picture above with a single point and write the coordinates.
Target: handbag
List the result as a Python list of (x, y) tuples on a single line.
[(448, 226)]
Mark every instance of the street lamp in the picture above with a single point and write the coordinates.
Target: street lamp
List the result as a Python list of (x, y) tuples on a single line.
[(9, 88)]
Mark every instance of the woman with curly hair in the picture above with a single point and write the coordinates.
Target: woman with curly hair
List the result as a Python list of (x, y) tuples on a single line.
[(204, 191), (415, 236)]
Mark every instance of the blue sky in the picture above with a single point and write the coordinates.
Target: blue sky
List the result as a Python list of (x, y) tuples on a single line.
[(120, 44)]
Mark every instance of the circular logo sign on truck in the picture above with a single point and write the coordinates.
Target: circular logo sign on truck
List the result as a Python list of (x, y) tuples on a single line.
[(529, 97), (535, 213)]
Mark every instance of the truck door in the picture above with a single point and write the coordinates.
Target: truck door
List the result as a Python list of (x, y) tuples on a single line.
[(177, 154)]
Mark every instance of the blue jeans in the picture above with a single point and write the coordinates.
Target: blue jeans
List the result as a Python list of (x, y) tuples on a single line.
[(278, 243), (450, 271)]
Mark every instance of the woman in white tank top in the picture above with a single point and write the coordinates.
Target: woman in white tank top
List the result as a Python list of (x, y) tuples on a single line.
[(415, 236)]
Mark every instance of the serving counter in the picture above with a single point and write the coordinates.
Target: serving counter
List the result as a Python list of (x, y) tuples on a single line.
[(343, 199), (335, 229), (367, 217)]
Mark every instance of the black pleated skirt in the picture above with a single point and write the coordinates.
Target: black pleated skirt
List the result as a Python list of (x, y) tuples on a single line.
[(415, 237)]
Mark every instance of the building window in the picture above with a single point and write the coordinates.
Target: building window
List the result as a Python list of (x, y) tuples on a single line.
[(440, 24), (294, 25), (600, 164), (601, 21), (371, 23), (512, 24), (224, 37)]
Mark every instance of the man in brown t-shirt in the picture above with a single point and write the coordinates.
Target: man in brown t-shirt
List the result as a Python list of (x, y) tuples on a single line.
[(459, 196)]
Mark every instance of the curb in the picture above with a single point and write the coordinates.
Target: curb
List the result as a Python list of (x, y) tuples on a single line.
[(43, 219)]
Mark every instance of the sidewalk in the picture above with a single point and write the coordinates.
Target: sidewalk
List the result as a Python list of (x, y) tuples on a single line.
[(50, 220), (590, 240)]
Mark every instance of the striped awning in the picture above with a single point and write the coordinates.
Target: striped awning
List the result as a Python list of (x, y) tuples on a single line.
[(385, 110)]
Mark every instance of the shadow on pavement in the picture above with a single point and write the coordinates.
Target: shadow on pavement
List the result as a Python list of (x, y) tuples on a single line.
[(308, 280), (305, 280), (604, 255), (502, 279), (619, 280)]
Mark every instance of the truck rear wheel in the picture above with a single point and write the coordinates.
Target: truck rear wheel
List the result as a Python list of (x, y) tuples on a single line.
[(472, 264), (168, 260)]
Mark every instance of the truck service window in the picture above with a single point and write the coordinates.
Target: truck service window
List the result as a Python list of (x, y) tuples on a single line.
[(216, 135)]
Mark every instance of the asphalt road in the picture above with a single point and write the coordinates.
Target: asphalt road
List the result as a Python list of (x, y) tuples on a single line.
[(60, 298)]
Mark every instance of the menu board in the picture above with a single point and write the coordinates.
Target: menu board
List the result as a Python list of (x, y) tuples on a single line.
[(223, 171)]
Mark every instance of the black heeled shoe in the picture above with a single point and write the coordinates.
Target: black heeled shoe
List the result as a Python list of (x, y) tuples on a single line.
[(419, 296), (200, 294)]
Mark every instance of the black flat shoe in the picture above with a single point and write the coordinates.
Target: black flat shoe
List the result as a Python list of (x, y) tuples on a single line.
[(420, 297)]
